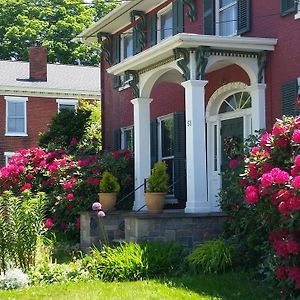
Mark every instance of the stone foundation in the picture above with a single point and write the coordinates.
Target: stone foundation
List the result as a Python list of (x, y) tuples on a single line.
[(188, 229)]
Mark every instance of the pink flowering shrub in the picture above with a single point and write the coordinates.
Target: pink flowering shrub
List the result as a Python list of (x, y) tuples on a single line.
[(271, 188), (72, 184)]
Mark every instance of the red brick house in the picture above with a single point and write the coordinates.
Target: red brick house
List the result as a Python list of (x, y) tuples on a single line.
[(180, 77), (31, 93)]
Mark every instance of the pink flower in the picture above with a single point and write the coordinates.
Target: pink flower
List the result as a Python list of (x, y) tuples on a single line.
[(101, 214), (251, 195), (255, 149), (63, 162), (29, 176), (73, 142), (96, 206), (282, 177), (283, 207), (278, 129), (296, 182), (294, 203), (233, 163), (297, 161), (95, 171), (70, 196), (68, 185), (53, 167), (296, 136), (115, 154), (282, 142), (266, 180), (49, 223), (265, 139)]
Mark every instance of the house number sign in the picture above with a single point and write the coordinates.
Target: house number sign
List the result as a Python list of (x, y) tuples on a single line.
[(189, 123)]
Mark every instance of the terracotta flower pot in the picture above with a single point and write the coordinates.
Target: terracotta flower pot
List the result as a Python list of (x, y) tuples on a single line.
[(155, 202), (107, 200)]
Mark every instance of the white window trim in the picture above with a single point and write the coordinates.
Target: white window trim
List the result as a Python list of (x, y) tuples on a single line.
[(123, 129), (159, 14), (66, 102), (217, 16), (20, 100), (297, 15), (7, 156)]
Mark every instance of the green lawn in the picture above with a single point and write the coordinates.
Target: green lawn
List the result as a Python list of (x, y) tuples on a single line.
[(229, 286)]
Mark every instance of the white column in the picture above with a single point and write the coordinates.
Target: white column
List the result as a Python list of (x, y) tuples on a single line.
[(197, 198), (258, 98), (142, 159)]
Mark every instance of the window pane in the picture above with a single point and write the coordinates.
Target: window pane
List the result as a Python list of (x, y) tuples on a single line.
[(19, 107), (170, 171), (128, 139), (226, 2), (166, 25), (228, 21), (215, 148), (128, 46), (11, 108), (167, 137), (70, 107), (20, 125), (15, 125)]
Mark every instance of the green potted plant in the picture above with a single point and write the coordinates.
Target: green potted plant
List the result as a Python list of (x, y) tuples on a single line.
[(157, 187), (109, 187)]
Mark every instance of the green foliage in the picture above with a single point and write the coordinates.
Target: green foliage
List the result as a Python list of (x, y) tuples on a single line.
[(131, 261), (53, 24), (109, 183), (158, 180), (79, 131), (21, 226), (211, 257)]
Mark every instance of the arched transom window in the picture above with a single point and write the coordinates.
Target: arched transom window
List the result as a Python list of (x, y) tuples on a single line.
[(241, 100)]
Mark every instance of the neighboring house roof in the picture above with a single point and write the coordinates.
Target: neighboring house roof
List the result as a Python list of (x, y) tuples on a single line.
[(67, 81)]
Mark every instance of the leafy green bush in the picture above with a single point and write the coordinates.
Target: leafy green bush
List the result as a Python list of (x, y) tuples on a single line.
[(109, 183), (211, 257), (21, 226), (131, 261), (158, 180)]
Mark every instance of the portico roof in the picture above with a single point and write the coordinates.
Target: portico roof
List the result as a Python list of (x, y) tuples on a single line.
[(164, 49)]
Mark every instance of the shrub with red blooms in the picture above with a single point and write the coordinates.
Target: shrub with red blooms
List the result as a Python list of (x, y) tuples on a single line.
[(272, 197), (72, 184)]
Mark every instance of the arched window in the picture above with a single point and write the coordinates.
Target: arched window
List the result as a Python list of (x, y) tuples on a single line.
[(241, 100)]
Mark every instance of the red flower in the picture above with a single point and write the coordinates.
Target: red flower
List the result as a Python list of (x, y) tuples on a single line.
[(296, 136), (49, 223), (26, 186), (68, 185), (95, 181), (29, 176), (297, 161), (292, 247), (278, 129), (283, 207), (294, 273), (115, 154), (267, 180), (233, 163), (73, 142), (282, 142), (281, 272), (251, 195), (296, 182), (265, 139), (70, 196)]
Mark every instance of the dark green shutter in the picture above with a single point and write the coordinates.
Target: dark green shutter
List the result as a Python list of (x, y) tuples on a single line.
[(152, 29), (209, 23), (179, 156), (289, 93), (117, 59), (153, 142), (287, 6), (244, 16), (117, 139), (177, 11), (135, 41)]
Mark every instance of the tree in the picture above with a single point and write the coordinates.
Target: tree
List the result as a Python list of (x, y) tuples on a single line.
[(50, 23)]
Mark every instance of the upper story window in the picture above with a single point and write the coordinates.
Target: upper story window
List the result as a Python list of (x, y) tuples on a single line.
[(226, 17), (127, 45), (16, 119), (66, 104), (290, 6), (165, 23)]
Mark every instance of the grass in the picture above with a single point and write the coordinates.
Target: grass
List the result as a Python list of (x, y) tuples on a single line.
[(229, 286)]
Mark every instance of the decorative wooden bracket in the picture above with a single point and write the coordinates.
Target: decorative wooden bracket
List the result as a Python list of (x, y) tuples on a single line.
[(133, 83), (183, 63), (202, 55), (192, 13), (139, 27), (261, 62), (106, 45)]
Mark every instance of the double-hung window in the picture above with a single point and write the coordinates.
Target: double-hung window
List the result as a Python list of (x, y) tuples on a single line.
[(16, 123), (166, 145), (66, 104), (226, 17), (165, 23), (127, 138), (127, 45)]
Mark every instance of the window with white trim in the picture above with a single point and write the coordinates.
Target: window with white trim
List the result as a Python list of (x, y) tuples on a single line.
[(226, 17), (165, 23), (297, 15), (126, 45), (67, 104), (166, 145), (8, 156), (16, 116), (127, 138)]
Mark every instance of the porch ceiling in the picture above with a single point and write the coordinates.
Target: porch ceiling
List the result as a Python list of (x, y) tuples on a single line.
[(164, 49)]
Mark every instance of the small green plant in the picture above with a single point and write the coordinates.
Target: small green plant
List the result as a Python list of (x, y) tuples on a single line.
[(109, 183), (211, 257), (158, 180)]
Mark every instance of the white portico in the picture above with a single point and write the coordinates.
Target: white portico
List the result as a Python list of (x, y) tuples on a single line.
[(185, 59)]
